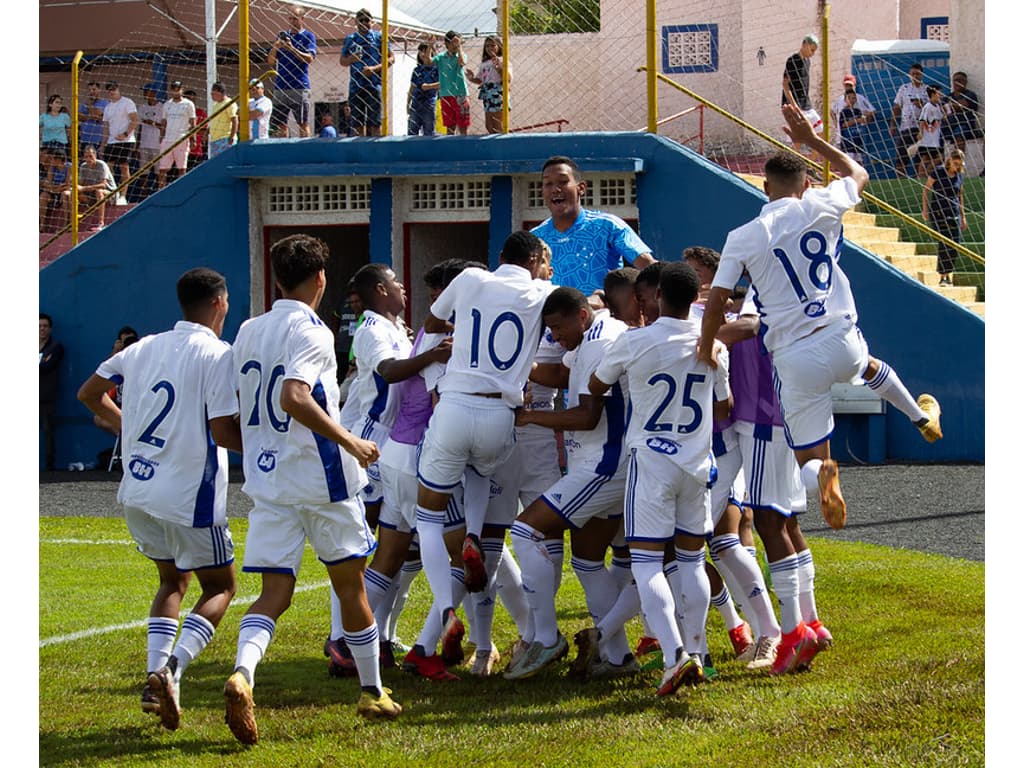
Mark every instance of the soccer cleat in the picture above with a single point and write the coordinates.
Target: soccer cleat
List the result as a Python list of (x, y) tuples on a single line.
[(741, 638), (341, 663), (764, 652), (483, 662), (387, 656), (473, 564), (824, 636), (239, 710), (930, 430), (519, 650), (710, 673), (689, 671), (399, 646), (538, 657), (430, 667), (647, 645), (162, 686), (451, 640), (800, 644), (378, 707), (150, 701), (588, 653), (830, 497), (604, 669)]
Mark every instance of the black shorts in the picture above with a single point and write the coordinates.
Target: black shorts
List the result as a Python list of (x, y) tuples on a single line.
[(293, 101), (365, 104), (119, 152), (932, 152)]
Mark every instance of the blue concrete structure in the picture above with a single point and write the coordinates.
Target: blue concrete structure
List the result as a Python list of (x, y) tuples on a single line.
[(126, 274)]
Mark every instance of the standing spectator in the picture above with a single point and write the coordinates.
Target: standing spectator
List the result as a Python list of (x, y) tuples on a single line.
[(345, 127), (179, 117), (796, 82), (260, 109), (151, 117), (852, 121), (585, 245), (55, 125), (362, 52), (961, 123), (867, 109), (945, 210), (489, 80), (197, 153), (90, 117), (453, 90), (55, 187), (327, 129), (906, 109), (95, 182), (120, 119), (421, 103), (51, 353), (291, 55), (930, 136), (223, 127)]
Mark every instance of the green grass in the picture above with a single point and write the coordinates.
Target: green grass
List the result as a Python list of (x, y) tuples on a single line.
[(902, 686)]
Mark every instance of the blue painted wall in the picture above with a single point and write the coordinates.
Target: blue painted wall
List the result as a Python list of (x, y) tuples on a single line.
[(126, 274)]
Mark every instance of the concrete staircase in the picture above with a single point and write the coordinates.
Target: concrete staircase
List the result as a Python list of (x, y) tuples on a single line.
[(884, 242)]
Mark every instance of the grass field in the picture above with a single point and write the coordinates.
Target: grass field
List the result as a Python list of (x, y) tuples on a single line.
[(903, 685)]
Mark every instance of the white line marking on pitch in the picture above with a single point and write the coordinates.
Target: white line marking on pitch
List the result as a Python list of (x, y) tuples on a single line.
[(238, 601), (85, 541)]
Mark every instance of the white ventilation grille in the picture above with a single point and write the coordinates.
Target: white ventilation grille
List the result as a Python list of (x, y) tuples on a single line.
[(312, 198), (451, 195)]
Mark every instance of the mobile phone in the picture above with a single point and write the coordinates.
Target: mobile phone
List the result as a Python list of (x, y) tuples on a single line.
[(282, 35)]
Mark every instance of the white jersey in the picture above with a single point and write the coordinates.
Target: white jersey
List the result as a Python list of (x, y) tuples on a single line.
[(599, 448), (497, 329), (376, 340), (174, 382), (670, 392), (177, 116), (791, 251), (285, 462), (548, 352), (909, 111)]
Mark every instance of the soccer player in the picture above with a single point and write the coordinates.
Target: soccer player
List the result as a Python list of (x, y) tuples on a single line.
[(303, 471), (588, 499), (791, 253), (178, 414), (670, 468), (497, 328)]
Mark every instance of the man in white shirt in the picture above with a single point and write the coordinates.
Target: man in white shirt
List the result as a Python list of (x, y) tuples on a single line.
[(864, 104), (260, 110), (178, 406), (808, 315), (179, 117), (906, 109), (303, 471), (120, 119)]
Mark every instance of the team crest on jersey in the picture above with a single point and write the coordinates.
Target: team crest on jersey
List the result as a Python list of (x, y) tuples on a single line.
[(663, 445), (267, 461), (141, 469), (815, 309)]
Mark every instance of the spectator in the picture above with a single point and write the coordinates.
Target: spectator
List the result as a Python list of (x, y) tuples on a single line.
[(453, 90), (291, 55), (345, 127), (125, 338), (851, 123), (489, 80), (930, 135), (796, 82), (421, 103), (55, 125), (961, 124), (867, 109), (223, 126), (197, 153), (179, 117), (260, 110), (906, 109), (120, 119), (362, 52), (95, 182), (151, 117), (51, 353), (327, 129), (945, 211), (55, 187), (90, 117)]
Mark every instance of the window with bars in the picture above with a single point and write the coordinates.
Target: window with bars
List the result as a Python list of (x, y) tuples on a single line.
[(689, 48), (451, 195), (312, 198)]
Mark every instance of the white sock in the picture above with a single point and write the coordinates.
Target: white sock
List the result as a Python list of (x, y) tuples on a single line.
[(889, 387), (599, 588), (433, 624), (434, 554), (476, 493), (614, 643), (695, 597), (196, 633), (336, 628), (160, 634), (254, 635), (509, 587), (380, 594), (538, 580), (483, 602), (740, 571), (785, 580), (805, 579), (556, 553), (723, 602), (809, 475), (410, 570), (657, 602), (621, 571), (365, 647)]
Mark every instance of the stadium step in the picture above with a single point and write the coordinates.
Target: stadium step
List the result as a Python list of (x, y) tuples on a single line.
[(63, 244), (886, 248), (868, 232)]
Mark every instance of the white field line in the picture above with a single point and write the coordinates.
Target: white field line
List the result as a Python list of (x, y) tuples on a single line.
[(237, 602), (86, 541)]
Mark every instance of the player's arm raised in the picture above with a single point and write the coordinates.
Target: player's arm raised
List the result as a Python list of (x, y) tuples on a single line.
[(297, 401), (93, 394), (799, 129)]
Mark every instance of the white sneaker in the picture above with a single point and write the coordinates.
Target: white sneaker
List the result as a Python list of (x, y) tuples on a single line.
[(764, 652), (484, 661), (121, 200)]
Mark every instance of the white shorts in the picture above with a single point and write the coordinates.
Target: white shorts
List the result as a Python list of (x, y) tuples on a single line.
[(188, 548), (369, 429), (177, 156), (729, 465), (465, 430), (582, 495), (537, 459), (398, 478), (662, 500), (804, 374), (277, 535), (770, 469)]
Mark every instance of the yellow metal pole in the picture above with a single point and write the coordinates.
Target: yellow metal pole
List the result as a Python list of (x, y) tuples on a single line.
[(652, 69), (243, 70), (505, 35), (385, 121), (826, 117), (74, 147)]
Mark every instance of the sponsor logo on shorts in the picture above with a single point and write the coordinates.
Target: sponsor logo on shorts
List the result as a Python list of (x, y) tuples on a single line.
[(496, 490), (141, 469), (663, 445), (267, 461)]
